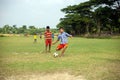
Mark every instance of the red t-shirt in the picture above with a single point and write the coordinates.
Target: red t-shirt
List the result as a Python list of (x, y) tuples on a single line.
[(48, 35)]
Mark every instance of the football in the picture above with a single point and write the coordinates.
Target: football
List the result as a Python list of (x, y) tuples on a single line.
[(55, 55)]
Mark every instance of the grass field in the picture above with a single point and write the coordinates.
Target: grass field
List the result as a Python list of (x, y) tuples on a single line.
[(93, 59)]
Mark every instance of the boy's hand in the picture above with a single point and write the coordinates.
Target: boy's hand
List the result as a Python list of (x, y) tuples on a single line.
[(71, 36), (53, 43)]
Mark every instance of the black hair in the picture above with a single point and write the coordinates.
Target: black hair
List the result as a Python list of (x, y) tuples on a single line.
[(61, 28), (47, 27)]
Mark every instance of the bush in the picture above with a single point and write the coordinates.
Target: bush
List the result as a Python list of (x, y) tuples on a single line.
[(2, 36), (99, 37)]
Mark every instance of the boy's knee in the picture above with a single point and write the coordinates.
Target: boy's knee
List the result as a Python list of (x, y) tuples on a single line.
[(65, 47), (57, 49)]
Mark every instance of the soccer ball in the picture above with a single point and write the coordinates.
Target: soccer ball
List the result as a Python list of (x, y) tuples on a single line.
[(55, 55)]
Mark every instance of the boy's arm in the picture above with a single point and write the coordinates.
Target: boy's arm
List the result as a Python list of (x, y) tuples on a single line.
[(69, 35), (55, 42), (45, 35)]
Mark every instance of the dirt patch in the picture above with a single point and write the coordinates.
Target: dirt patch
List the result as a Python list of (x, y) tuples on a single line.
[(54, 76)]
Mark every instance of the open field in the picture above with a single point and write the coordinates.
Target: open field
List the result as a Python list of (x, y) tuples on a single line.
[(85, 59)]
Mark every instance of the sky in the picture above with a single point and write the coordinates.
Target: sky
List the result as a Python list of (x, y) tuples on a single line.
[(40, 13)]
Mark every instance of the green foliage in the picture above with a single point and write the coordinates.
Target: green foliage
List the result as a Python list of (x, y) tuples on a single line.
[(22, 30), (93, 16)]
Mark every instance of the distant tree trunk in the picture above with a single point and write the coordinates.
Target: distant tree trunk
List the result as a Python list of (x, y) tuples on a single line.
[(74, 29), (78, 32), (98, 28), (111, 30), (87, 30), (119, 29)]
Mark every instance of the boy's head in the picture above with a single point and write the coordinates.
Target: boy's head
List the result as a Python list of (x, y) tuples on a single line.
[(61, 29), (47, 28)]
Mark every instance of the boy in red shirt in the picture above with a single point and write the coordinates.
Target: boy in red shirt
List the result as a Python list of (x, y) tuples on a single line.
[(48, 39)]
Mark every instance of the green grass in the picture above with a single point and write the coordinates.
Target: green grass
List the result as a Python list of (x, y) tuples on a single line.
[(95, 59)]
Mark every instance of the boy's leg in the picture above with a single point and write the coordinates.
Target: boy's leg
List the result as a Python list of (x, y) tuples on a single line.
[(46, 48), (63, 51), (58, 48), (35, 40), (46, 45), (49, 47), (64, 48), (50, 43)]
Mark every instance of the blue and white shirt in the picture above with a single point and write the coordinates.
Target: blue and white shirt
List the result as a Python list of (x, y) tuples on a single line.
[(63, 37)]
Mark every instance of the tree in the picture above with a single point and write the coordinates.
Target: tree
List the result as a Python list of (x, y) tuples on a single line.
[(106, 9), (15, 29), (78, 17), (1, 30), (32, 30), (84, 9), (93, 16), (6, 29)]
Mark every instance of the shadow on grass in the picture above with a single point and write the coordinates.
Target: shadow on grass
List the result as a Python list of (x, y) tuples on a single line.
[(106, 59)]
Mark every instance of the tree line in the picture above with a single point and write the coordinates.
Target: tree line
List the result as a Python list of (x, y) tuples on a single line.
[(92, 17), (7, 29)]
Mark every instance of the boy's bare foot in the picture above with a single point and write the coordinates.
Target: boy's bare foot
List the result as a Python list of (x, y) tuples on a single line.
[(61, 55)]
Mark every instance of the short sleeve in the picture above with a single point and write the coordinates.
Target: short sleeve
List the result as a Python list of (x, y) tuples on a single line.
[(67, 34)]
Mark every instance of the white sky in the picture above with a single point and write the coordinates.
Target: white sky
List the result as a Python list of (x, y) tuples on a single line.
[(39, 13)]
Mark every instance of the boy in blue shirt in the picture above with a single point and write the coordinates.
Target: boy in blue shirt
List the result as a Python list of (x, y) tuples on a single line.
[(63, 38)]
